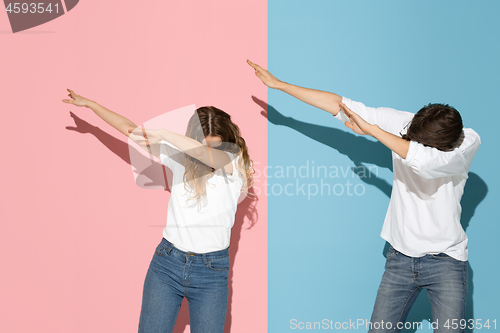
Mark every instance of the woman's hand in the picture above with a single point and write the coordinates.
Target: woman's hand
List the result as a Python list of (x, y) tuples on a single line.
[(76, 99), (357, 124), (267, 78), (145, 137)]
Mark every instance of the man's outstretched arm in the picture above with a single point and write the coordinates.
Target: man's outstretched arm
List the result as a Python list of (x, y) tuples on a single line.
[(331, 103), (323, 100)]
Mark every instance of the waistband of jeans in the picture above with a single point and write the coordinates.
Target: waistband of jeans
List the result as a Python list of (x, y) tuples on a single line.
[(171, 247)]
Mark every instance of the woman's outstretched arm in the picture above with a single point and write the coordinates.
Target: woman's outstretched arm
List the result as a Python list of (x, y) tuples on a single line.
[(323, 100), (149, 139), (119, 122)]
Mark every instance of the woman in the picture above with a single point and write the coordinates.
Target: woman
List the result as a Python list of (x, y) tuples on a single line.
[(431, 154), (211, 172)]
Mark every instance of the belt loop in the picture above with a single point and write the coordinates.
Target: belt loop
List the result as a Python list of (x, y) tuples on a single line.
[(169, 248), (205, 261)]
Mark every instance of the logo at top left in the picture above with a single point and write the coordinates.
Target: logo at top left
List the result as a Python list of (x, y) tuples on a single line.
[(25, 15)]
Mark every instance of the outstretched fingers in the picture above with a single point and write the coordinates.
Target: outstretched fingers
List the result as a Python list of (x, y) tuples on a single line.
[(255, 66), (258, 69), (348, 112), (356, 123), (349, 125), (72, 95)]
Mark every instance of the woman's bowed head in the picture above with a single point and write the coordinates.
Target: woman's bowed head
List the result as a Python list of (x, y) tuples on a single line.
[(213, 129), (210, 135)]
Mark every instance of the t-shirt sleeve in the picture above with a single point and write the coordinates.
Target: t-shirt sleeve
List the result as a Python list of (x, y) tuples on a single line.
[(429, 162), (171, 156), (390, 120), (234, 176), (234, 181)]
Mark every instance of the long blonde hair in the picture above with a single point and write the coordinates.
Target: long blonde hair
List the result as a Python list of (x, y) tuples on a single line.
[(211, 121)]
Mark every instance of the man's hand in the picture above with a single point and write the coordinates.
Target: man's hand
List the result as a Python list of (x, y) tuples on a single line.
[(267, 78), (360, 126), (323, 100), (357, 124)]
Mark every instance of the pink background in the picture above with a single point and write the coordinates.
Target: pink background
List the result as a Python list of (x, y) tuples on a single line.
[(77, 233)]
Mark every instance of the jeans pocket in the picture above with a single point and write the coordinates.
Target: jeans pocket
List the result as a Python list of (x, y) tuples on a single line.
[(160, 249), (391, 253), (220, 264), (443, 256)]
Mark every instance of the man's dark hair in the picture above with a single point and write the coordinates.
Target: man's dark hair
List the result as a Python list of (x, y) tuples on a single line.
[(436, 125)]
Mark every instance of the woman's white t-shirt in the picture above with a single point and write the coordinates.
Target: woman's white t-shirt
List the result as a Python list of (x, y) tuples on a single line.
[(203, 226)]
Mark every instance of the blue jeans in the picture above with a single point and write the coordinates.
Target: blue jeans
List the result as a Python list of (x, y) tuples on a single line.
[(172, 275), (445, 279)]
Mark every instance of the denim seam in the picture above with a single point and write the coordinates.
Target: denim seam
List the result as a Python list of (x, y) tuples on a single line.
[(404, 306), (216, 269), (169, 249), (184, 282), (447, 257), (198, 256), (466, 285), (415, 276), (179, 255), (160, 249), (219, 258)]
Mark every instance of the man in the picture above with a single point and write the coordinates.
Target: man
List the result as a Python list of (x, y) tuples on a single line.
[(432, 154)]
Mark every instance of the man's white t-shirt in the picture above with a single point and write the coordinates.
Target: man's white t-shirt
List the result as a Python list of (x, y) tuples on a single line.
[(424, 210), (203, 226)]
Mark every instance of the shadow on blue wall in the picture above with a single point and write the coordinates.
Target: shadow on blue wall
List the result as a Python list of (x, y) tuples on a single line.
[(360, 151)]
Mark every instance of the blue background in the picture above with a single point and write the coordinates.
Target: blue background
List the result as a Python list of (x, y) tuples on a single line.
[(326, 257)]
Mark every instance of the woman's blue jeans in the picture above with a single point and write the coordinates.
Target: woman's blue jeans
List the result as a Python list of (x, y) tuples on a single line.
[(172, 275), (445, 279)]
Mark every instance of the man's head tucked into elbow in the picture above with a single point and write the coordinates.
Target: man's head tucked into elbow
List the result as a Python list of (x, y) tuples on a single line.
[(436, 125)]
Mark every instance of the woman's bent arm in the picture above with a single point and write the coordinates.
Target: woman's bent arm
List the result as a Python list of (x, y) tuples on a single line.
[(214, 158)]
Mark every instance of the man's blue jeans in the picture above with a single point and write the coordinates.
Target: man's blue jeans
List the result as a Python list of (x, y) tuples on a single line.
[(173, 275), (445, 279)]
